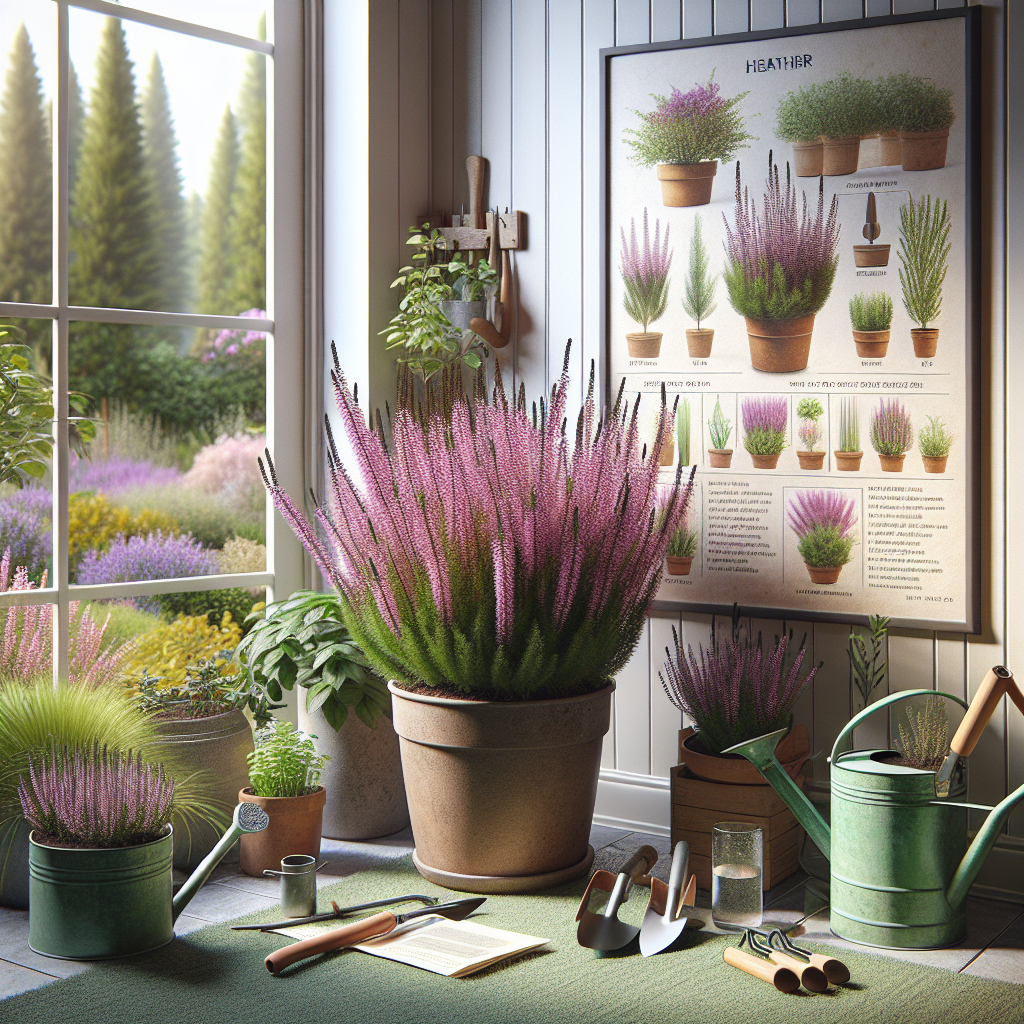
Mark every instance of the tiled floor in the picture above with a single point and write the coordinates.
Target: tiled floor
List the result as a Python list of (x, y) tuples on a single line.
[(994, 947)]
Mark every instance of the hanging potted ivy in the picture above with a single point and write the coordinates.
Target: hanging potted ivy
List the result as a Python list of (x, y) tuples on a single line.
[(871, 316), (645, 278), (924, 258), (823, 522)]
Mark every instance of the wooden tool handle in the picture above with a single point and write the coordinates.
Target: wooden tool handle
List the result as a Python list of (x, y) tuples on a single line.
[(781, 977), (812, 978), (475, 166), (640, 863), (349, 935), (485, 329), (997, 682), (835, 970)]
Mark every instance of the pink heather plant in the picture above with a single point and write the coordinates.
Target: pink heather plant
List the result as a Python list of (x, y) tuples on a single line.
[(230, 467), (487, 556), (231, 341), (823, 520), (809, 432), (765, 420), (645, 273), (892, 431)]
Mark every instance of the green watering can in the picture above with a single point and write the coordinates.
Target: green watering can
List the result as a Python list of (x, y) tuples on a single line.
[(898, 844)]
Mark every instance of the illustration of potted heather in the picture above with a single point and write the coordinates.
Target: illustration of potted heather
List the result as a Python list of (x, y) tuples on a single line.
[(719, 430), (682, 545), (934, 441), (823, 521), (892, 434), (809, 411), (924, 115), (685, 137), (699, 300), (924, 259), (799, 120), (765, 421), (645, 276), (848, 454), (871, 316), (781, 265), (846, 107)]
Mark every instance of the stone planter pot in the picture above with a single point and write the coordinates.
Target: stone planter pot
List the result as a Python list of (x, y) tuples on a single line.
[(807, 159), (719, 458), (848, 462), (501, 793), (679, 565), (871, 255), (460, 312), (822, 576), (295, 827), (644, 344), (924, 151), (668, 454), (934, 463), (764, 461), (811, 460), (871, 344), (891, 463), (926, 341), (890, 149), (781, 346), (698, 341), (839, 156), (217, 746), (687, 184)]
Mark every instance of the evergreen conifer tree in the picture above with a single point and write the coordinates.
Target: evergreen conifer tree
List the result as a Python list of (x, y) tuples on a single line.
[(76, 124), (215, 259)]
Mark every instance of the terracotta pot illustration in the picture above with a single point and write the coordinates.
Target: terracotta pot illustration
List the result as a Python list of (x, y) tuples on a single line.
[(823, 577), (295, 827), (781, 346), (687, 184), (719, 458), (807, 159), (924, 151), (679, 565), (698, 341), (811, 460), (871, 344), (871, 255), (890, 149), (644, 344), (848, 462), (926, 341), (934, 463), (765, 461), (891, 463), (839, 156)]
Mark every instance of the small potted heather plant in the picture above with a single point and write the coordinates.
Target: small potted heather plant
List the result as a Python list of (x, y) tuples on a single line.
[(934, 441), (765, 425), (719, 430), (781, 265), (849, 453), (823, 522), (699, 300), (924, 114), (892, 434), (871, 316), (847, 106), (924, 259), (809, 411), (799, 120), (685, 137), (645, 277), (682, 546)]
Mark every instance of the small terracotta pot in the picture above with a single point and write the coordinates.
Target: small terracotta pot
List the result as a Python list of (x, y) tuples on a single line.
[(890, 149), (807, 158), (668, 454), (871, 344), (823, 577), (934, 463), (644, 344), (926, 341), (924, 151), (781, 346), (891, 463), (698, 341), (679, 565), (687, 184), (839, 156), (295, 827), (848, 462), (719, 458), (764, 461), (811, 460), (871, 255), (792, 751)]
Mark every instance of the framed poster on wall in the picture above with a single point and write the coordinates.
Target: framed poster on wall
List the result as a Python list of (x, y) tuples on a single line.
[(791, 249)]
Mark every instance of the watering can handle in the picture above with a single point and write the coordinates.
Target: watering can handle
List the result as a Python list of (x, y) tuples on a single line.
[(997, 682), (843, 740)]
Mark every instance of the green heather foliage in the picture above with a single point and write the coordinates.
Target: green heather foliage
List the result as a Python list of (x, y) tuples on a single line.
[(846, 107), (918, 104), (871, 311), (719, 428), (799, 115), (215, 247), (868, 673), (285, 762), (849, 424), (683, 431), (683, 543), (699, 300), (925, 739), (825, 548), (934, 440), (924, 256)]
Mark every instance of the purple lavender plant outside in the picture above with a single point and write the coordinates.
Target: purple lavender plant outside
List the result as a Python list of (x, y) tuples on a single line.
[(25, 528), (115, 476), (154, 557), (892, 430)]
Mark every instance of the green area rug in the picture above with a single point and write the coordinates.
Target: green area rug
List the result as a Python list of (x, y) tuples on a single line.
[(216, 975)]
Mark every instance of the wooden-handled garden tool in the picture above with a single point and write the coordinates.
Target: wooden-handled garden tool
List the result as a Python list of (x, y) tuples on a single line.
[(757, 964), (788, 954), (605, 931), (667, 915)]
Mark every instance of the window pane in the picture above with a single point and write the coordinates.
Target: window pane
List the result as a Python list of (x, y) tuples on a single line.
[(168, 205), (243, 17), (27, 59)]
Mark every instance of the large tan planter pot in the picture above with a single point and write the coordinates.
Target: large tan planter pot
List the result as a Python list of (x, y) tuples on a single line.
[(218, 747), (824, 577), (871, 344), (871, 255), (839, 156), (924, 151), (501, 794), (679, 565), (891, 463), (781, 346), (764, 461), (687, 184), (698, 341), (934, 463), (811, 460), (926, 341), (890, 150), (848, 462), (719, 458), (644, 344), (295, 828), (807, 159)]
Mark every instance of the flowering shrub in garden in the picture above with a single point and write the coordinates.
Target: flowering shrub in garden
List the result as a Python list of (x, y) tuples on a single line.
[(230, 467), (114, 475), (169, 651), (153, 557), (823, 520), (25, 529), (94, 523)]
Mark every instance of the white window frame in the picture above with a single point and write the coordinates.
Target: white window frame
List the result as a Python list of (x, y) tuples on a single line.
[(291, 311)]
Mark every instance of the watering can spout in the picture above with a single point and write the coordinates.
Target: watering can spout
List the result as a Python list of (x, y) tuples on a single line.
[(760, 752)]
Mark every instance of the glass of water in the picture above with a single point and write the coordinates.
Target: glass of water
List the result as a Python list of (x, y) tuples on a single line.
[(736, 869)]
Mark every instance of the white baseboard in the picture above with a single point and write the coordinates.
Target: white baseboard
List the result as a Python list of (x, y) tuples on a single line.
[(635, 803)]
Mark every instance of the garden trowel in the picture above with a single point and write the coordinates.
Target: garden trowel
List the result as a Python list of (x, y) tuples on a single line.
[(666, 915), (604, 931)]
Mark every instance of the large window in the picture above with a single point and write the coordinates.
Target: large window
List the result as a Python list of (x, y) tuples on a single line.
[(140, 172)]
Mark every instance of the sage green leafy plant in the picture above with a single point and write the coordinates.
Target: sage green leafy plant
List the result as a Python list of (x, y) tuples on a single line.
[(809, 409), (699, 300), (871, 311), (285, 762), (849, 424), (925, 740), (868, 665), (799, 116), (924, 255), (918, 104), (470, 281), (934, 440), (719, 427), (847, 107)]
